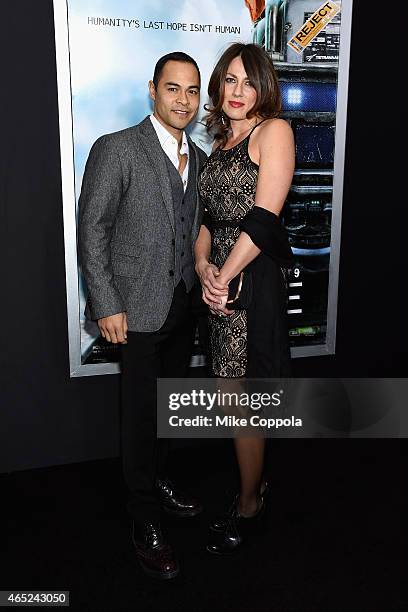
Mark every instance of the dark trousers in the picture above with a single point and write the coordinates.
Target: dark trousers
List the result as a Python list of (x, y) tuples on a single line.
[(147, 356)]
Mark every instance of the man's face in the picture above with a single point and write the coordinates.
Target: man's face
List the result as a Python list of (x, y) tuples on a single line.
[(177, 96)]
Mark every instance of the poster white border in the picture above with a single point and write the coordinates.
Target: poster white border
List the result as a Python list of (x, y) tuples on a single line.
[(62, 48)]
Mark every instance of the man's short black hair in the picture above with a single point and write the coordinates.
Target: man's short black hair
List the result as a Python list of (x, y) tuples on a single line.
[(175, 56)]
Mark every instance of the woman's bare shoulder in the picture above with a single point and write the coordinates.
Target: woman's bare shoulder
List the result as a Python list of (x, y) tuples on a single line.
[(275, 125), (274, 131)]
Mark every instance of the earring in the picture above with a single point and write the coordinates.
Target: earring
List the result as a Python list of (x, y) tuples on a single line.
[(224, 123)]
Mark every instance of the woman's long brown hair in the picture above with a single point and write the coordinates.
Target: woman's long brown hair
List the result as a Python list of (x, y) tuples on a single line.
[(260, 71)]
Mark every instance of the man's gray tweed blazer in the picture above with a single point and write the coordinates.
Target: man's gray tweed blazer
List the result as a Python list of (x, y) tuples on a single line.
[(126, 227)]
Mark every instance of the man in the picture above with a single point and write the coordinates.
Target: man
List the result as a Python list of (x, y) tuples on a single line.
[(139, 216)]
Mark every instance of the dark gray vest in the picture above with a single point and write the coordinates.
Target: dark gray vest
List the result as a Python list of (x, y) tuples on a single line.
[(184, 204)]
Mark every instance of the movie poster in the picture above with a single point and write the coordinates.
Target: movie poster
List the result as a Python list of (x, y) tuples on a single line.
[(106, 52)]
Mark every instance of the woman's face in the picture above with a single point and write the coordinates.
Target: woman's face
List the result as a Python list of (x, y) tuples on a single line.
[(239, 93)]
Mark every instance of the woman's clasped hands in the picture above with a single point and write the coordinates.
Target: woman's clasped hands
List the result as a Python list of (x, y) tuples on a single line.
[(214, 288)]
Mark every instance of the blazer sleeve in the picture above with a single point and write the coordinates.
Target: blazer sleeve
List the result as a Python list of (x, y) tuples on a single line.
[(267, 233), (98, 205)]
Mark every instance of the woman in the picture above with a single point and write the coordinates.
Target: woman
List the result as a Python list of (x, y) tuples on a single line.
[(244, 184)]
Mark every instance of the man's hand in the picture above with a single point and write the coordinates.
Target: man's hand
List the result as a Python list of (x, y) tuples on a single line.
[(114, 328)]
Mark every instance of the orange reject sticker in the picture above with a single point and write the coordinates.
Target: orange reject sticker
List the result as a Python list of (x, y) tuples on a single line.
[(313, 26)]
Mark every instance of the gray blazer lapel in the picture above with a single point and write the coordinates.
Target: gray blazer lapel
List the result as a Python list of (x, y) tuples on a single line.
[(151, 145)]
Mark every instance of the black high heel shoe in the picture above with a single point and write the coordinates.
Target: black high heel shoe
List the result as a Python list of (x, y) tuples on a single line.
[(228, 533)]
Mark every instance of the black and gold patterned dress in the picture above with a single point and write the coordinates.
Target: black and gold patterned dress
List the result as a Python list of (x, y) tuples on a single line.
[(227, 186)]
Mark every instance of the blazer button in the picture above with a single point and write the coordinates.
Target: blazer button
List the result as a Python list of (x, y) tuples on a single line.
[(182, 254), (171, 272), (173, 241), (182, 218), (184, 235)]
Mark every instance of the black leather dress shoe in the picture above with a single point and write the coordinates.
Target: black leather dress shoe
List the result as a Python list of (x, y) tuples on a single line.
[(219, 523), (228, 533), (175, 502), (229, 540), (156, 557)]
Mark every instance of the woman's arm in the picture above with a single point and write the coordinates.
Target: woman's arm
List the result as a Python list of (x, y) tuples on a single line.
[(207, 272), (276, 166)]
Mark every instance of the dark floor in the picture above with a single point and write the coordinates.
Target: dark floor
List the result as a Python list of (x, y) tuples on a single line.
[(331, 542)]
